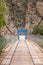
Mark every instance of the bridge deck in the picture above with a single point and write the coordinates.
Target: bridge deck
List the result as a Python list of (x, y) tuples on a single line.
[(23, 52)]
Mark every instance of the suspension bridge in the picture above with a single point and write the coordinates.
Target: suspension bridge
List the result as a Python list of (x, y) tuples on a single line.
[(22, 52)]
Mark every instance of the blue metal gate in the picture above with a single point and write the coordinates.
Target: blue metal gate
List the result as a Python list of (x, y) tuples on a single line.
[(22, 31)]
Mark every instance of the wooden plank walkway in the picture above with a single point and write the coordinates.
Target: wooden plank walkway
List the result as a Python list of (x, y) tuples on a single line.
[(23, 52), (36, 53)]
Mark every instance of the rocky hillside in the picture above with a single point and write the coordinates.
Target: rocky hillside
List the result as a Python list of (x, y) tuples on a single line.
[(35, 11), (21, 11), (17, 11)]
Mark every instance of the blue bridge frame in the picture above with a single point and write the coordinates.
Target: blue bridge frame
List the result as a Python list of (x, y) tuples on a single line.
[(22, 31)]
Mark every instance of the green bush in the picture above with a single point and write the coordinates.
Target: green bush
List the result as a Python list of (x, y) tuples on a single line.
[(1, 20), (0, 51), (39, 30), (3, 11), (34, 30)]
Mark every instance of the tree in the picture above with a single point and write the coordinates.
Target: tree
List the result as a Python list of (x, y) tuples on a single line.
[(2, 13), (38, 12), (18, 10)]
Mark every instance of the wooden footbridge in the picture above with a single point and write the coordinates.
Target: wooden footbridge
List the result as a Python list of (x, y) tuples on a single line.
[(22, 52)]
